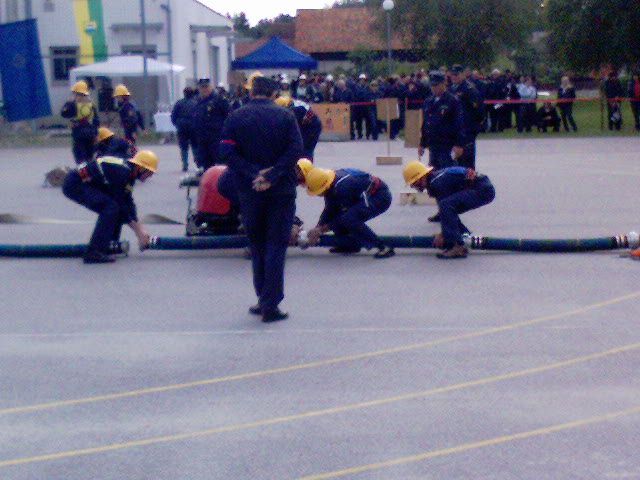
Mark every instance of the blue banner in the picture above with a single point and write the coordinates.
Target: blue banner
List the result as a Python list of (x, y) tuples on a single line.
[(24, 86)]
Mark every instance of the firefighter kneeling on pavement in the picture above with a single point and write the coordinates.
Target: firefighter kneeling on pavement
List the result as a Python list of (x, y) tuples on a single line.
[(457, 190), (105, 186), (352, 197)]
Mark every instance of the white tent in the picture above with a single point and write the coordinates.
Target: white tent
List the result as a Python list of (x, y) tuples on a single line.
[(132, 66)]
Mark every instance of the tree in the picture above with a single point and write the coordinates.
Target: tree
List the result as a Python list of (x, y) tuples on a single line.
[(471, 31), (283, 26), (586, 34), (241, 24)]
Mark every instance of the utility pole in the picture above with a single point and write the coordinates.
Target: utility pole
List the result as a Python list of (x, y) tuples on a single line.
[(167, 8), (145, 67)]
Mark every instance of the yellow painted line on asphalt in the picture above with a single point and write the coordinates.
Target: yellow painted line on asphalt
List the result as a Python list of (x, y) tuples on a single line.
[(319, 363), (475, 445), (317, 413)]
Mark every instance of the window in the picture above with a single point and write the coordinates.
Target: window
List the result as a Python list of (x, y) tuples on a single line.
[(63, 59), (152, 50), (49, 6)]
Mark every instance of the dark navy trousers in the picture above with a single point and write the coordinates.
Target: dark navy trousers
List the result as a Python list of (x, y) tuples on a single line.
[(440, 157), (468, 158), (350, 227), (267, 220), (310, 137), (479, 194), (109, 222)]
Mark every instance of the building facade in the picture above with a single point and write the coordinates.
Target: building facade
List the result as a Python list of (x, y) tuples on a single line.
[(81, 32)]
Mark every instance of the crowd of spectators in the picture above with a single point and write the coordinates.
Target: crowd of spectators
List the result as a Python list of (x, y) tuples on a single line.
[(512, 100)]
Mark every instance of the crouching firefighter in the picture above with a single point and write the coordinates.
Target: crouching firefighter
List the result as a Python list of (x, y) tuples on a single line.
[(108, 145), (352, 197), (105, 186), (218, 205), (457, 190)]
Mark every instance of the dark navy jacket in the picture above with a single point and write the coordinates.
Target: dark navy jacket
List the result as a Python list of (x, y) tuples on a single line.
[(227, 188), (443, 124), (209, 115), (113, 176), (349, 188), (258, 136), (472, 108), (115, 147), (85, 128), (446, 182), (343, 96), (130, 117), (182, 115)]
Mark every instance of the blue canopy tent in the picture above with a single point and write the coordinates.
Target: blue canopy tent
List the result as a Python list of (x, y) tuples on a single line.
[(273, 55)]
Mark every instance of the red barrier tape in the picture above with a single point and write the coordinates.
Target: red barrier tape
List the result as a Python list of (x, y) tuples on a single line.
[(519, 102)]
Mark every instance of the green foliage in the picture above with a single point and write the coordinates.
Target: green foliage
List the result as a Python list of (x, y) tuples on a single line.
[(471, 31), (282, 26), (586, 34)]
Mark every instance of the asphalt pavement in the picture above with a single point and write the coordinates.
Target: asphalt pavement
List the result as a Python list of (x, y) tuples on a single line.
[(503, 366)]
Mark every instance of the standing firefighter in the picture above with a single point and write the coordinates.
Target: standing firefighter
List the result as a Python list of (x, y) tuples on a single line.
[(457, 190), (443, 125), (84, 122), (261, 144), (182, 119), (352, 198), (309, 123), (105, 187), (209, 115), (130, 117), (472, 112)]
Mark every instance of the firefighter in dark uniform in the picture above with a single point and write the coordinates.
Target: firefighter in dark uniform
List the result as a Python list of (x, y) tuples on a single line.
[(473, 114), (261, 144), (84, 122), (130, 117), (218, 204), (352, 197), (182, 119), (309, 123), (108, 145), (209, 115), (443, 125), (105, 186), (457, 190)]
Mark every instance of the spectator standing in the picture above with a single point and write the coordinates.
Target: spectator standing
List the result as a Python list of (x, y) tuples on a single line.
[(634, 95), (567, 93), (209, 115), (495, 91), (511, 93), (528, 93)]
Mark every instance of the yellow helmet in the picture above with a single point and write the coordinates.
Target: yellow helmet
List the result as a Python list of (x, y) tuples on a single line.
[(305, 165), (284, 101), (414, 171), (81, 87), (104, 133), (254, 75), (146, 159), (121, 91), (319, 180)]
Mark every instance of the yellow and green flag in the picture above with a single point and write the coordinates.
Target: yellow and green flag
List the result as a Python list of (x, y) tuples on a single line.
[(90, 25)]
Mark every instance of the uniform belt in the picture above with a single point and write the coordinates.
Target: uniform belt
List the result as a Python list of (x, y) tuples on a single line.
[(374, 186)]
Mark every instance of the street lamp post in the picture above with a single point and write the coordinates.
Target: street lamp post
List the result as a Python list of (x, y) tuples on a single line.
[(387, 6)]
